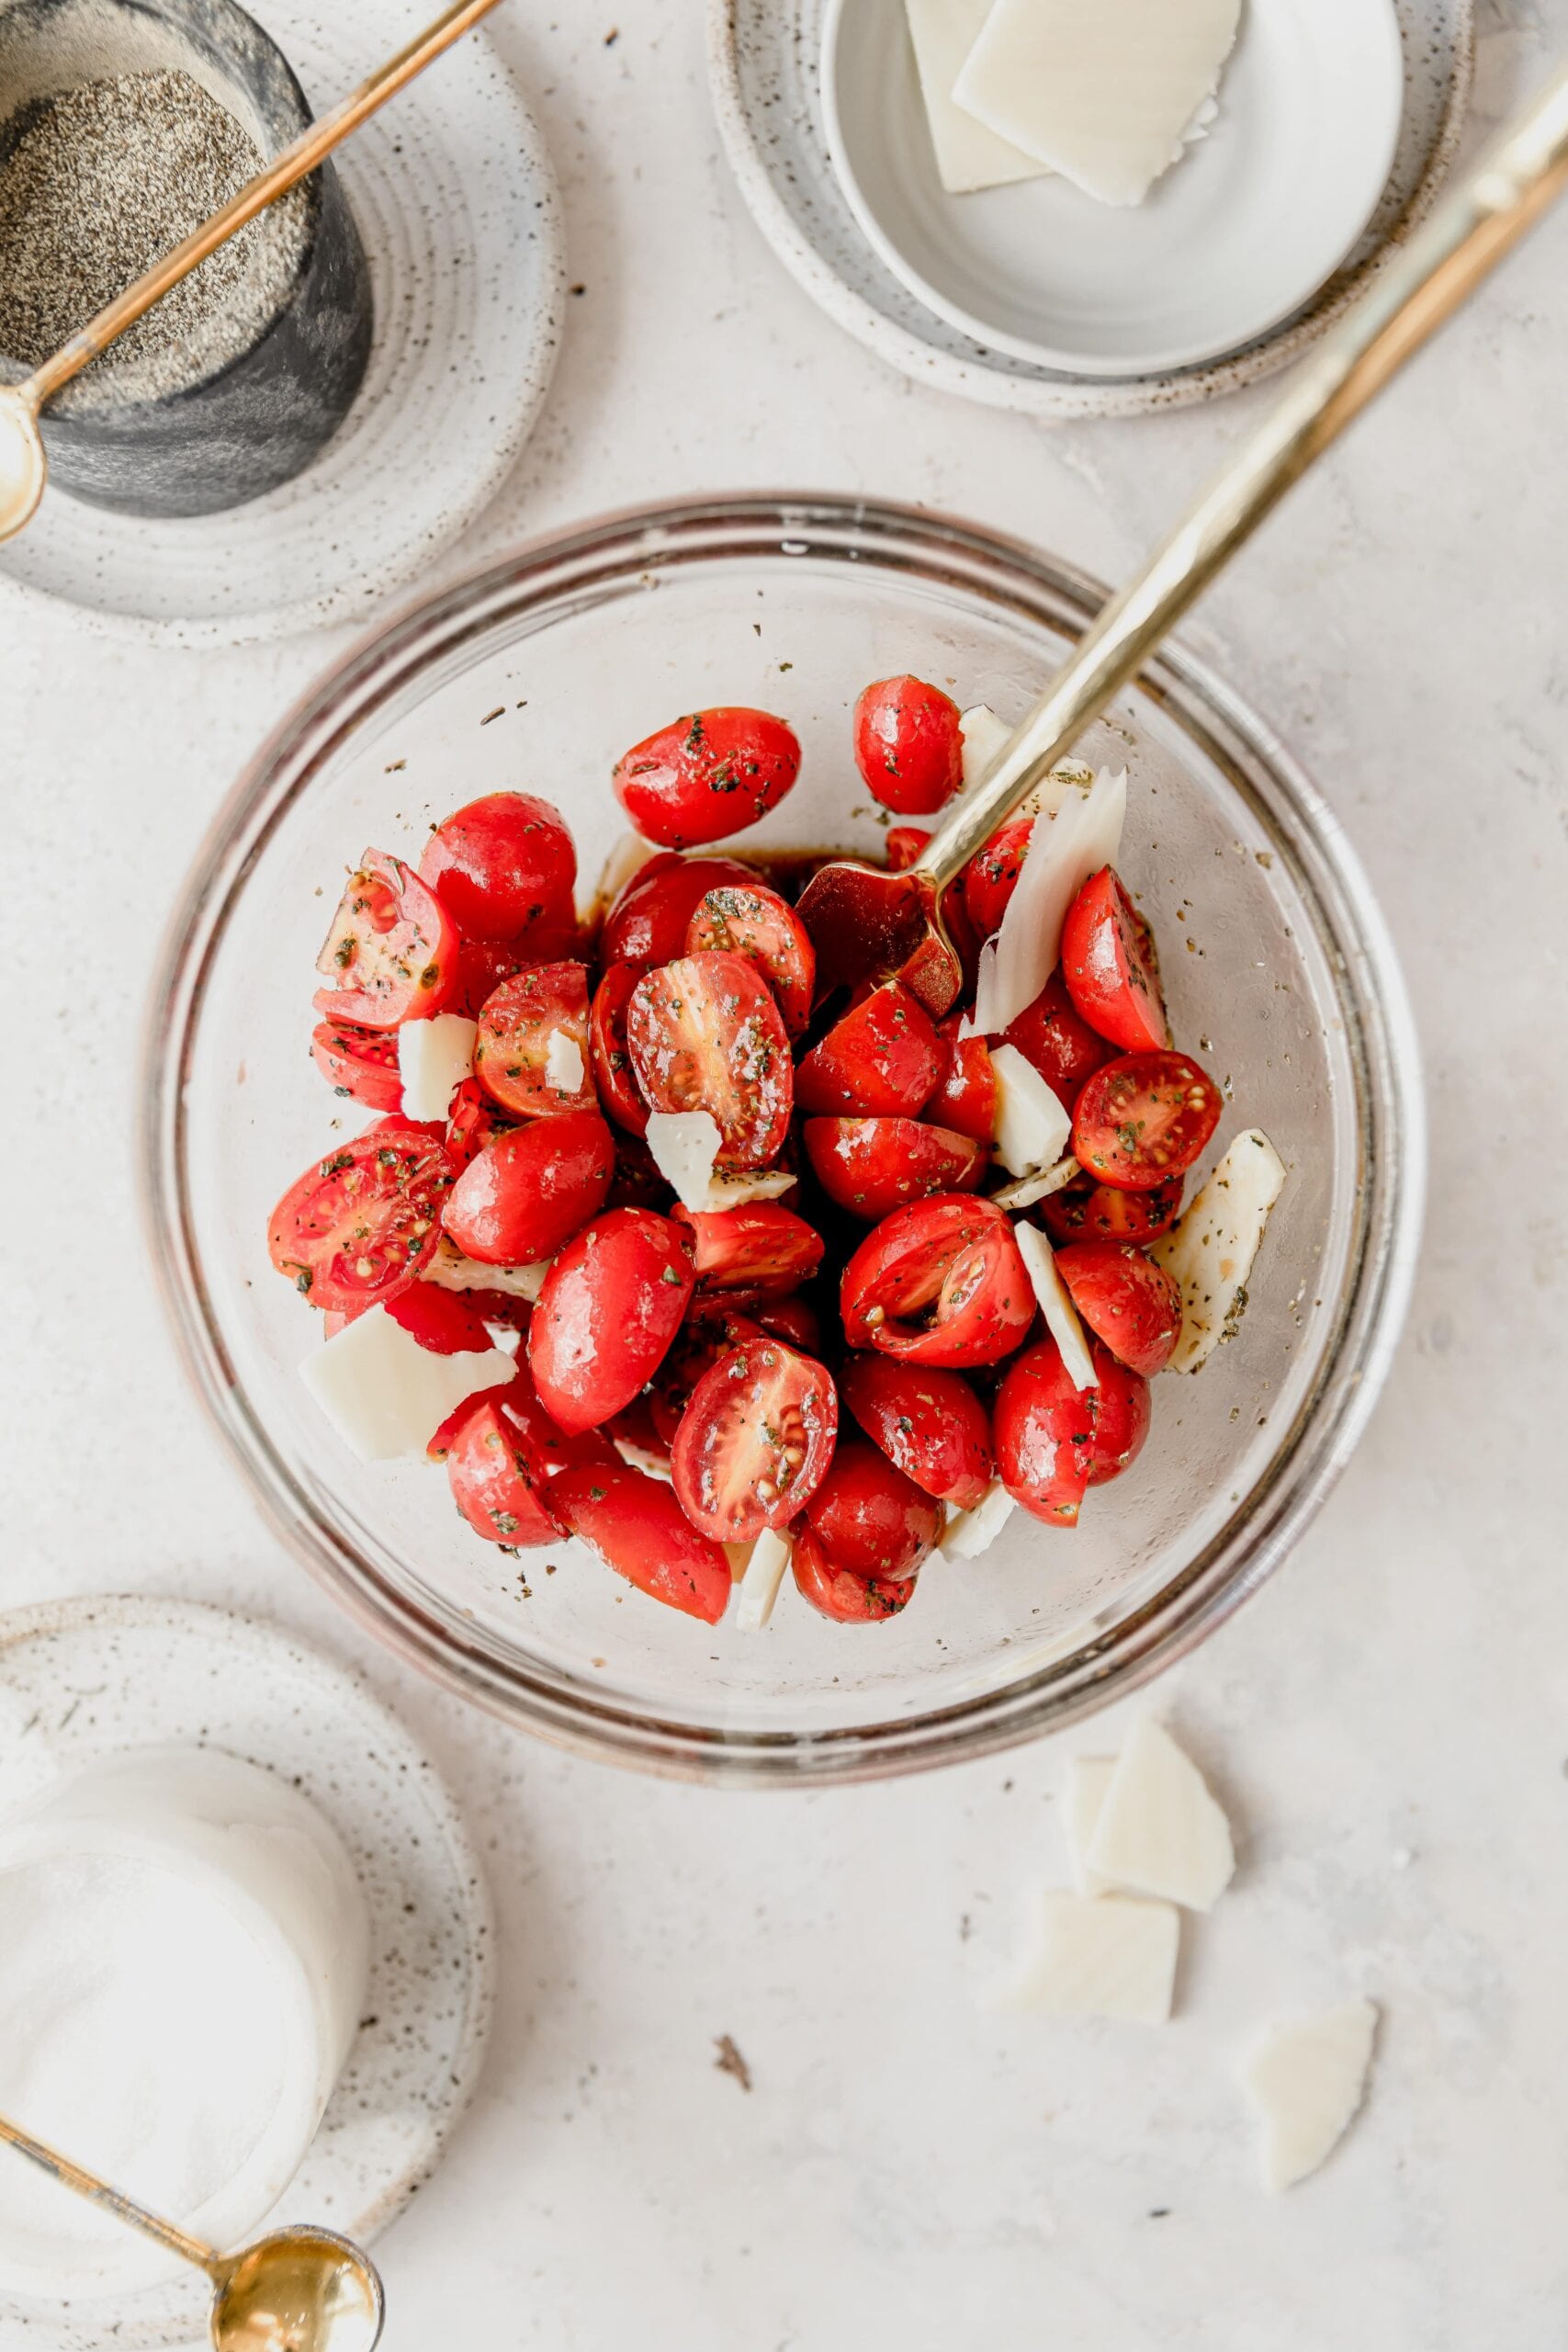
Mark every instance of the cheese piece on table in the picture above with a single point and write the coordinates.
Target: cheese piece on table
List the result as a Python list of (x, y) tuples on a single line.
[(1089, 1777), (1210, 1251), (970, 1532), (969, 157), (1061, 1315), (450, 1269), (1306, 2077), (1103, 91), (1104, 1956), (1064, 851), (433, 1058), (384, 1394), (1032, 1128), (1159, 1830), (764, 1573)]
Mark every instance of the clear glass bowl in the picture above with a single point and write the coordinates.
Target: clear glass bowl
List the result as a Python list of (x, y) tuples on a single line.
[(536, 673)]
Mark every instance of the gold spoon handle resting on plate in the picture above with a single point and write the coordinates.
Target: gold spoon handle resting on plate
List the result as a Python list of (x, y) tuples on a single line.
[(22, 464), (1501, 195), (124, 2208)]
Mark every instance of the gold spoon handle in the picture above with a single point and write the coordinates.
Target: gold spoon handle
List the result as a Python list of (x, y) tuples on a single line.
[(295, 163), (1500, 196), (87, 2184)]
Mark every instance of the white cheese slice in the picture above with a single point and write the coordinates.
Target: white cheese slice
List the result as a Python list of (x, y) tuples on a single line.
[(731, 1189), (1064, 851), (970, 1532), (1159, 1831), (1089, 1777), (1061, 1315), (1104, 1956), (629, 854), (982, 732), (1025, 1190), (433, 1058), (1103, 91), (969, 157), (564, 1066), (387, 1395), (764, 1573), (1210, 1251), (1306, 2077), (1032, 1129), (683, 1146), (450, 1269)]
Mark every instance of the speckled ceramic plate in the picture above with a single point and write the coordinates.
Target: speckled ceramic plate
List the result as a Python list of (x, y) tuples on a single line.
[(80, 1677), (765, 68), (457, 205)]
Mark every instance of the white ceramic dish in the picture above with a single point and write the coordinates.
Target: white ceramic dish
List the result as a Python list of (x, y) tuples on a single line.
[(457, 202), (764, 70), (81, 1679), (1236, 236)]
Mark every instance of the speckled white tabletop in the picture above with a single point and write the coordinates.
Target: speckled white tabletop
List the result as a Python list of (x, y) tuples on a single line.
[(1389, 1722)]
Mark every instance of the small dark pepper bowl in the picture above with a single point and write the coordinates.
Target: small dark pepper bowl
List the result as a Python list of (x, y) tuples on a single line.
[(262, 417)]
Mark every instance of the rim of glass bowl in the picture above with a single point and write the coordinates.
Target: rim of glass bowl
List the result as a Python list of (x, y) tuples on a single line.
[(568, 566)]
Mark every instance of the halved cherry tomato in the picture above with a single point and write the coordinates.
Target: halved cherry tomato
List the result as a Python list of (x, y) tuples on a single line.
[(638, 1528), (1142, 1118), (966, 1096), (939, 1283), (360, 1062), (500, 1450), (930, 1424), (991, 876), (705, 1035), (391, 954), (502, 864), (1045, 1436), (701, 777), (482, 965), (612, 1072), (1126, 1300), (881, 1059), (531, 1188), (609, 1308), (839, 1593), (757, 1250), (1062, 1046), (697, 1347), (908, 748), (758, 924), (1109, 965), (1122, 1417), (1084, 1212), (870, 1518), (470, 1121), (648, 922), (447, 1322), (515, 1027), (902, 844), (871, 1167), (363, 1224), (754, 1441)]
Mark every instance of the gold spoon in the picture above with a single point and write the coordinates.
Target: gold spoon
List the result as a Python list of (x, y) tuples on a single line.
[(24, 469), (299, 2289)]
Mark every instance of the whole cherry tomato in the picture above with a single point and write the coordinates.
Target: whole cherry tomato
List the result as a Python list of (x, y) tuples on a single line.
[(531, 1188), (991, 876), (1122, 1416), (939, 1283), (502, 865), (500, 1450), (608, 1309), (1043, 1429), (1111, 969), (908, 748), (638, 1528), (839, 1593), (706, 775), (1063, 1048), (391, 954), (928, 1423), (881, 1059), (649, 922), (869, 1518)]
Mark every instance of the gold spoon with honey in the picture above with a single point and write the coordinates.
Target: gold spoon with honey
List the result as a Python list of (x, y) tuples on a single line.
[(23, 468), (299, 2289)]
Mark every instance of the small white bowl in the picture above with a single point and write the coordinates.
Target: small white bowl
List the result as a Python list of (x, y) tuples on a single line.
[(1238, 234)]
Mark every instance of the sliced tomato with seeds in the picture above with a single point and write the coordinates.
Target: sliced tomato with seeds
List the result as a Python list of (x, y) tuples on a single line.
[(880, 1060), (705, 1035), (1126, 1300), (516, 1024), (700, 1344), (612, 1072), (872, 1518), (648, 922), (1109, 965), (991, 876), (928, 1423), (713, 773), (359, 1062), (1087, 1211), (871, 1167), (1121, 1418), (504, 865), (1054, 1037), (755, 1440), (939, 1283), (529, 1189), (638, 1528), (1044, 1430), (909, 746), (967, 1095), (839, 1593), (391, 954), (757, 924), (470, 1122), (757, 1250), (608, 1312), (362, 1224), (1144, 1118)]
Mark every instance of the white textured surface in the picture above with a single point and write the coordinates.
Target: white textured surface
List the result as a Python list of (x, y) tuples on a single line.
[(909, 2167)]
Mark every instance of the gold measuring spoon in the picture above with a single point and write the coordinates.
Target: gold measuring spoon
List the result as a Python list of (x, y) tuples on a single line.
[(24, 469), (299, 2289), (865, 921)]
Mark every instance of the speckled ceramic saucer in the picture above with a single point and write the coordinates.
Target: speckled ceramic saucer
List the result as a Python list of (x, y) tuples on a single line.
[(83, 1677)]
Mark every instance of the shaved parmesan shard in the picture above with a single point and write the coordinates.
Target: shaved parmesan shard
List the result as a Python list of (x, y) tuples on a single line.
[(1210, 1251), (683, 1146), (1064, 851), (771, 1557), (731, 1189), (1089, 1777), (564, 1067), (629, 854), (433, 1058), (1103, 91), (1061, 1315), (1027, 1190), (983, 736), (1105, 1956), (1306, 2077), (384, 1394), (1159, 1831), (1032, 1128), (969, 157), (450, 1269), (970, 1532)]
